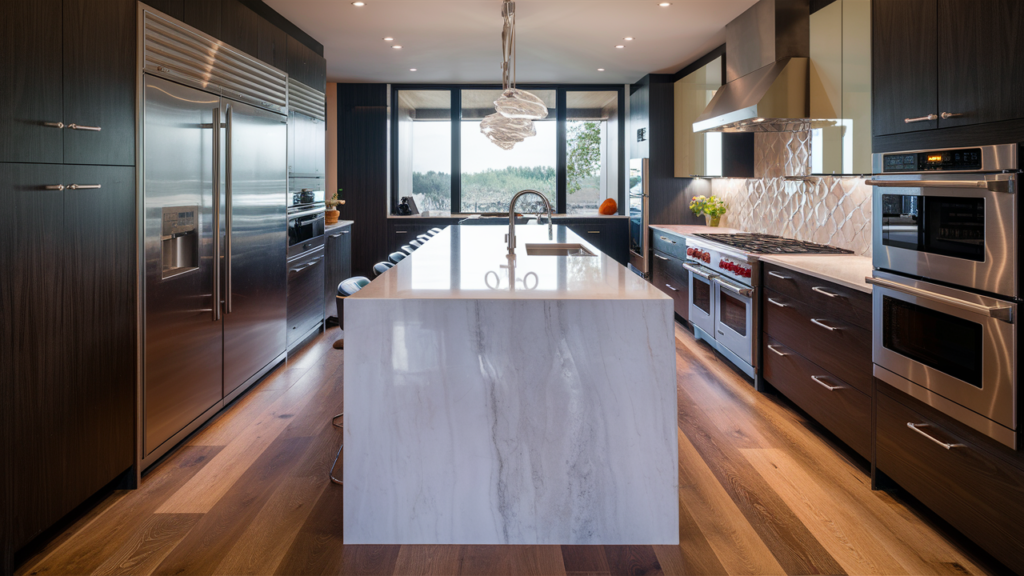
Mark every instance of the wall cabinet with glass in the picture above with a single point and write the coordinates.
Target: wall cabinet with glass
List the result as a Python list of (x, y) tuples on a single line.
[(697, 154)]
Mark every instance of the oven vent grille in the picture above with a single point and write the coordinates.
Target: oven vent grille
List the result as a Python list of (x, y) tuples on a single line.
[(306, 100), (181, 53)]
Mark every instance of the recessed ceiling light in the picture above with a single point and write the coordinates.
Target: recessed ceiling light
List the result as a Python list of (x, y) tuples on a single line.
[(665, 4), (628, 38), (412, 69), (620, 46), (389, 39), (359, 4), (600, 69), (396, 47)]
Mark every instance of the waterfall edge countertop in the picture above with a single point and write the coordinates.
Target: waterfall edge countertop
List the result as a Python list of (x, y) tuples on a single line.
[(847, 270), (497, 401), (469, 262)]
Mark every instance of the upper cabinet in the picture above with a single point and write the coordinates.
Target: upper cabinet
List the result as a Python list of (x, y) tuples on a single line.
[(306, 66), (273, 45), (241, 27), (946, 63), (697, 154)]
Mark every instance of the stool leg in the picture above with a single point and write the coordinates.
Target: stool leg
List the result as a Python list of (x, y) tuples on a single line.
[(334, 422)]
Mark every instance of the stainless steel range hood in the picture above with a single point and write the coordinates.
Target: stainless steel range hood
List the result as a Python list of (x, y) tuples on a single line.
[(766, 90)]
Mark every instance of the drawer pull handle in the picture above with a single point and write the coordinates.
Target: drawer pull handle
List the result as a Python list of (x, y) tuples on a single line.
[(821, 290), (80, 127), (927, 118), (593, 231), (54, 187), (948, 115), (776, 350), (84, 187), (817, 322), (917, 428), (777, 303), (401, 231), (659, 257), (339, 234), (57, 125), (826, 385), (667, 240), (671, 288), (779, 276)]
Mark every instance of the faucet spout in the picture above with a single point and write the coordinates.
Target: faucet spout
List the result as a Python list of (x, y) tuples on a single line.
[(511, 236)]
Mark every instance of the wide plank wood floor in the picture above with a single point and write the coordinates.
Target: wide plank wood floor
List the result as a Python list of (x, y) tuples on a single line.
[(762, 491)]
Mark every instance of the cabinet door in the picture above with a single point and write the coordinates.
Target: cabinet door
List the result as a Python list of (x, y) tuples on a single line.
[(240, 27), (204, 15), (98, 306), (339, 266), (273, 45), (173, 8), (904, 65), (99, 82), (32, 336), (318, 72), (299, 61), (30, 94), (981, 61)]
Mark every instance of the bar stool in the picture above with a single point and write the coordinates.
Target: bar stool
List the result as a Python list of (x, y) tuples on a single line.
[(396, 257), (416, 243), (423, 238), (432, 233), (435, 230), (382, 267), (330, 474), (408, 249), (347, 288)]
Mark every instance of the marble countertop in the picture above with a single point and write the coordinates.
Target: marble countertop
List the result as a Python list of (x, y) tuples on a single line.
[(683, 230), (470, 263), (338, 224), (843, 269)]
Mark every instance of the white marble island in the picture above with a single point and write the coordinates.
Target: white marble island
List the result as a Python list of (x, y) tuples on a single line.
[(488, 404)]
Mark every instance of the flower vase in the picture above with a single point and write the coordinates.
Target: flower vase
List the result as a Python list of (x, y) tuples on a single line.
[(712, 220)]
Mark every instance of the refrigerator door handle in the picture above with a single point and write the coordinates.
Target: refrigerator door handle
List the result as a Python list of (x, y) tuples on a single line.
[(227, 217), (216, 214)]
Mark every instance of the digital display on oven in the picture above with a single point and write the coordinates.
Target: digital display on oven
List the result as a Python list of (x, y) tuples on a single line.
[(939, 160)]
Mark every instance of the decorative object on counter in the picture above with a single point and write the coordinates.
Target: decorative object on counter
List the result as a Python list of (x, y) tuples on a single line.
[(407, 207), (331, 216), (515, 110), (608, 207), (712, 208)]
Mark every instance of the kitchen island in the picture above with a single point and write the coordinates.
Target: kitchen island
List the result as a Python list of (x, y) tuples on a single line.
[(491, 400)]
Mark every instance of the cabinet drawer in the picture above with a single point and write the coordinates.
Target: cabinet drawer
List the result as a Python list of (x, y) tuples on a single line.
[(837, 346), (670, 244), (973, 487), (305, 295), (847, 304), (843, 409), (669, 276)]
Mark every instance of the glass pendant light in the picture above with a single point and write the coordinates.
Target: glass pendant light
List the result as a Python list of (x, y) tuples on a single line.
[(506, 132)]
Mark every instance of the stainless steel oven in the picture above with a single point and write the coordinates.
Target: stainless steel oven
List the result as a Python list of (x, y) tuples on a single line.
[(639, 217), (305, 230), (734, 318), (952, 349), (949, 215), (702, 297)]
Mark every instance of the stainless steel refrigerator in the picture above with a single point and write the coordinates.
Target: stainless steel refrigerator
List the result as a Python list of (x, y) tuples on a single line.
[(215, 242)]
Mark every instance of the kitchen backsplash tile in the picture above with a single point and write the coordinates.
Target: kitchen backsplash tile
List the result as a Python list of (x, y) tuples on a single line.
[(833, 211)]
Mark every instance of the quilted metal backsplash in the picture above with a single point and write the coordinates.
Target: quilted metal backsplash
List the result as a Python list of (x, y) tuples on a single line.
[(833, 211)]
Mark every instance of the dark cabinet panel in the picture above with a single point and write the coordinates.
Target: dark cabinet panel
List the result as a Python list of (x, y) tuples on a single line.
[(669, 276), (318, 76), (173, 8), (904, 65), (240, 27), (607, 235), (30, 94), (981, 61), (299, 61), (305, 295), (833, 300), (338, 258), (205, 15), (99, 81), (31, 288), (273, 45)]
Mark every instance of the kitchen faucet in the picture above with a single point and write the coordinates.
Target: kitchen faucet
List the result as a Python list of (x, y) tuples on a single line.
[(511, 236)]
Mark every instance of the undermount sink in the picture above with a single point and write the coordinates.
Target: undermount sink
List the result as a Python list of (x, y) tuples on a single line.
[(557, 250)]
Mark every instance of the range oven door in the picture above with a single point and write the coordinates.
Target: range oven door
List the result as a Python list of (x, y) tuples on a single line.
[(955, 228), (734, 316), (702, 298), (952, 349)]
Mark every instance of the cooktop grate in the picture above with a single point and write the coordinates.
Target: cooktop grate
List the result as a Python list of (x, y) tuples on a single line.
[(768, 244)]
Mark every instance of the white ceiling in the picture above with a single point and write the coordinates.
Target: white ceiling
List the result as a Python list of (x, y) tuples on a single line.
[(459, 41)]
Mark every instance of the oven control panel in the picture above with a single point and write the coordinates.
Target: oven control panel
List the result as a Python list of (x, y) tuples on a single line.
[(938, 161), (738, 269)]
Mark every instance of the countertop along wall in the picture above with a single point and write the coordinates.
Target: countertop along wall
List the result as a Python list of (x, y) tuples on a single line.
[(826, 210)]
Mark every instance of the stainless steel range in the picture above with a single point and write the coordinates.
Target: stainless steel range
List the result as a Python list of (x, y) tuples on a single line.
[(725, 273)]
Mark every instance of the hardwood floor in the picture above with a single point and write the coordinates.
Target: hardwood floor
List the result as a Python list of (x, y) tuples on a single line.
[(762, 491)]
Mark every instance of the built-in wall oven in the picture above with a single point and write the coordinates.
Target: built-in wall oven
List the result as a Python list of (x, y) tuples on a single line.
[(306, 208), (946, 282)]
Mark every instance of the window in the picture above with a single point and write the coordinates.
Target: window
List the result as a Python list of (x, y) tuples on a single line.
[(440, 158), (490, 175), (425, 148), (592, 159)]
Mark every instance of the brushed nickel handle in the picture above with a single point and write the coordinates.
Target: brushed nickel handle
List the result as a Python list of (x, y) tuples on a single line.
[(774, 349), (777, 303), (57, 125), (917, 428), (86, 128), (660, 257), (216, 213), (54, 187), (779, 276), (927, 118), (830, 388), (671, 288), (339, 234), (1004, 313), (821, 290), (309, 264), (948, 115), (666, 239), (593, 231), (990, 185), (84, 187), (738, 290), (700, 272), (228, 197), (817, 322), (401, 231)]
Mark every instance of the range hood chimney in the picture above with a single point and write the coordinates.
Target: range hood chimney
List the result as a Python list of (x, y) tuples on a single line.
[(767, 50)]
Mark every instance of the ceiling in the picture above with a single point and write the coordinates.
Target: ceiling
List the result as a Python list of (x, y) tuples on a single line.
[(559, 41)]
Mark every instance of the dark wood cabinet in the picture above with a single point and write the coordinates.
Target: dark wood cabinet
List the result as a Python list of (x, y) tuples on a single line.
[(981, 61), (99, 82), (30, 93), (609, 235), (204, 15), (273, 45), (669, 276), (338, 265), (306, 66), (173, 8), (240, 27), (904, 65)]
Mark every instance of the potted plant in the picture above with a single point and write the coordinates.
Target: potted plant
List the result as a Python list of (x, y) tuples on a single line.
[(331, 216), (712, 208)]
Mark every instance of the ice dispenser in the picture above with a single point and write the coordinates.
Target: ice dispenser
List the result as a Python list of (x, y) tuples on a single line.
[(179, 240)]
